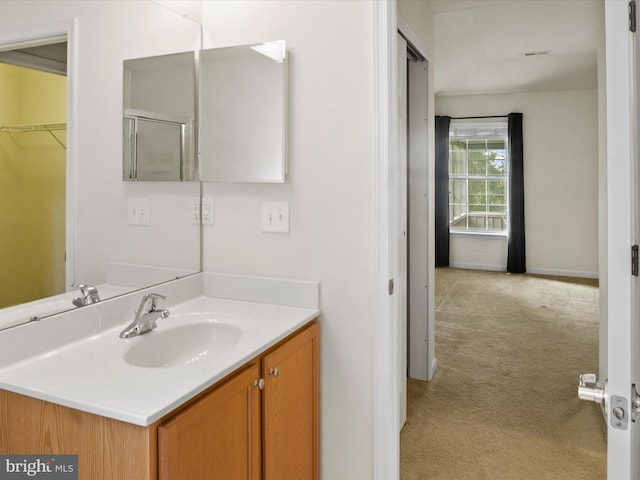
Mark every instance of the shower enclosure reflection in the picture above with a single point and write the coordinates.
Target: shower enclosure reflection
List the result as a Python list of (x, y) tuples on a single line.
[(159, 118)]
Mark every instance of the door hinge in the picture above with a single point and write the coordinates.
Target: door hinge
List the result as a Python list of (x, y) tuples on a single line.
[(632, 16), (391, 286), (634, 260)]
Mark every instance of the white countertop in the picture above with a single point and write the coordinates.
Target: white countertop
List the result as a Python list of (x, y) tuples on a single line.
[(90, 373)]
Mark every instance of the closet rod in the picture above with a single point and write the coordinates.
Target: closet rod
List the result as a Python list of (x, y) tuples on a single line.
[(44, 127)]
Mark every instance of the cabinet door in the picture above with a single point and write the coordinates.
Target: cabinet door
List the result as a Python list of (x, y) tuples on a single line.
[(217, 437), (291, 408)]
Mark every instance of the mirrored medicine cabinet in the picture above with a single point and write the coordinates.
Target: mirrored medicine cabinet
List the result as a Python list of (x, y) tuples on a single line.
[(239, 132)]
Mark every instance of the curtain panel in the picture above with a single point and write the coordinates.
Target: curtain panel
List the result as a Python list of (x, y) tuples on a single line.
[(442, 191), (516, 258)]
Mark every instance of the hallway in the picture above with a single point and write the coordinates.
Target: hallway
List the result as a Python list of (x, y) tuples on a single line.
[(503, 404)]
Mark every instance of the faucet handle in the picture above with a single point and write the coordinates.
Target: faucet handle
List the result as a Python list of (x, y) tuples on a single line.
[(83, 288), (89, 294), (153, 297)]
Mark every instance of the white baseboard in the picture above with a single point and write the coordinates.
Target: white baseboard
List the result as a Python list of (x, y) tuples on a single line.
[(535, 271), (434, 367), (562, 273), (474, 266)]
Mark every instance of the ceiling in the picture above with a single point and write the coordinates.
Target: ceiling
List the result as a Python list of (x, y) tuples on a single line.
[(480, 45), (50, 58)]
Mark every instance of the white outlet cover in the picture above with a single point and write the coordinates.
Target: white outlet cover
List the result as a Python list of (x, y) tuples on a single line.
[(275, 217), (207, 210), (194, 212)]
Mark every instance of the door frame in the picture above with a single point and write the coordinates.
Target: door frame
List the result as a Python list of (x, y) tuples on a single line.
[(621, 285), (421, 343), (399, 222), (386, 440), (30, 36)]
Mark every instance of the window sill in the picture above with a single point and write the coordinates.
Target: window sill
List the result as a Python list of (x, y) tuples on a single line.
[(470, 234)]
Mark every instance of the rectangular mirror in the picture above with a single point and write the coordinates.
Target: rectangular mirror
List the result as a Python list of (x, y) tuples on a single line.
[(242, 106), (159, 118), (63, 199)]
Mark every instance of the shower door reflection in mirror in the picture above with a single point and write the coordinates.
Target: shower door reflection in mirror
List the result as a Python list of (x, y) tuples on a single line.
[(159, 118)]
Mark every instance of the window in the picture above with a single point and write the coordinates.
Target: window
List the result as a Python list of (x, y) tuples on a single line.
[(478, 188)]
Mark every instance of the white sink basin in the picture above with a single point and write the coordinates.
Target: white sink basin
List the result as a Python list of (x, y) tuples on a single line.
[(182, 345)]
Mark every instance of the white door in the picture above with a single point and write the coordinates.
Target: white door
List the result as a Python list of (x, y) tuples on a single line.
[(400, 230), (420, 336), (616, 391)]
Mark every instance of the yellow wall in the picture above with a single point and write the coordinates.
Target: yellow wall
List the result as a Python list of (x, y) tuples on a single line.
[(32, 187)]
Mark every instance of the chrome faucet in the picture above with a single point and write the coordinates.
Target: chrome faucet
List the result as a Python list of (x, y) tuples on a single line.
[(89, 295), (146, 316)]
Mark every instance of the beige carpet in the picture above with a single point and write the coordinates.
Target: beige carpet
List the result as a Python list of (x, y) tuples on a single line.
[(503, 404)]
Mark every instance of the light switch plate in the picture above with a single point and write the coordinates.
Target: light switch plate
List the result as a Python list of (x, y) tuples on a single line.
[(138, 211), (275, 217)]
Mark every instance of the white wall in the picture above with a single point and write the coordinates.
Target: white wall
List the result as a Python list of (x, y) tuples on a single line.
[(107, 33), (330, 185), (330, 191), (560, 132)]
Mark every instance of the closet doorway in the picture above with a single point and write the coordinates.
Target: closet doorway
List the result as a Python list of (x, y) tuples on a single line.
[(33, 171), (412, 217)]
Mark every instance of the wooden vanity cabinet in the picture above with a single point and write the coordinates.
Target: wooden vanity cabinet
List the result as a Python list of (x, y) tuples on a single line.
[(107, 449), (263, 422), (216, 437), (235, 430), (290, 408)]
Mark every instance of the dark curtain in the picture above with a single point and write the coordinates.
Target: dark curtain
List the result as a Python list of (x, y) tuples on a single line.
[(516, 259), (442, 191)]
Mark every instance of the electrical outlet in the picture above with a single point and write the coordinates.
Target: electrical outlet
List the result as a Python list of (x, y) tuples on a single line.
[(195, 211), (138, 211), (275, 217), (207, 210)]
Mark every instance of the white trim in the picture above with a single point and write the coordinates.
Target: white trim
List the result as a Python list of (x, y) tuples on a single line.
[(72, 151), (621, 451), (562, 273), (43, 35), (56, 32), (472, 234), (386, 441), (412, 38), (477, 266), (533, 271), (434, 366)]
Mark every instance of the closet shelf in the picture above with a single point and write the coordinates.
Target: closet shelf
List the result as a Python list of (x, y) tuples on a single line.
[(41, 127)]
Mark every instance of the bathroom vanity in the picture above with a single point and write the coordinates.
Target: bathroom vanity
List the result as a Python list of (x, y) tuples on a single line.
[(164, 405)]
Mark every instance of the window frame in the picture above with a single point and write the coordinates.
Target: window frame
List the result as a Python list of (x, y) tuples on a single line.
[(484, 131)]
